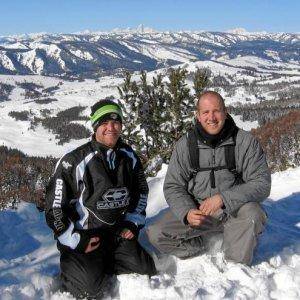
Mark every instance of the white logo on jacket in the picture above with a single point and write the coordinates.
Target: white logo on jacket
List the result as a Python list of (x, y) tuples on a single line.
[(66, 165), (114, 198), (57, 211)]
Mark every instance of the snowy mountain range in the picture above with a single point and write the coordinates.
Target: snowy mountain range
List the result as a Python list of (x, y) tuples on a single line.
[(87, 54)]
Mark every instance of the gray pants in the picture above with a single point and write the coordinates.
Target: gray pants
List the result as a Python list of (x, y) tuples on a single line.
[(170, 236)]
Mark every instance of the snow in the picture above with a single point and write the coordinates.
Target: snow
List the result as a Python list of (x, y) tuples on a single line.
[(32, 61), (82, 54), (110, 52), (263, 65), (6, 61), (164, 53), (16, 45), (29, 261), (246, 125)]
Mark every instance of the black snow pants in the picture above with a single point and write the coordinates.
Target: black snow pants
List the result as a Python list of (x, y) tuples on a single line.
[(82, 274)]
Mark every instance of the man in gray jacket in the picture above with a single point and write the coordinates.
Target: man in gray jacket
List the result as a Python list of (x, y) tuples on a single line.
[(222, 195)]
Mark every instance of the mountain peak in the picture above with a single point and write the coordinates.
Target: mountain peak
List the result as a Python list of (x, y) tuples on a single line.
[(239, 30)]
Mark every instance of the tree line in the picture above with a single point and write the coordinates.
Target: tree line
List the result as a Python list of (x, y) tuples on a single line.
[(22, 177), (280, 140)]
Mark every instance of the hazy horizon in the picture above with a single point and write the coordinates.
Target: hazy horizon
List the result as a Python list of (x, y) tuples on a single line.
[(71, 16)]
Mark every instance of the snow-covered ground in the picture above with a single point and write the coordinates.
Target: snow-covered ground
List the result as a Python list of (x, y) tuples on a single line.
[(29, 259)]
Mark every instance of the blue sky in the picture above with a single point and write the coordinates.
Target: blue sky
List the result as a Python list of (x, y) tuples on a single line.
[(67, 16)]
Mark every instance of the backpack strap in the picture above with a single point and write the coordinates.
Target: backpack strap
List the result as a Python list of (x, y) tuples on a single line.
[(193, 151), (230, 153), (230, 159)]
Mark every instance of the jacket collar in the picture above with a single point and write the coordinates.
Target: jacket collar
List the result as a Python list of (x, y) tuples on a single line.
[(103, 148), (224, 136)]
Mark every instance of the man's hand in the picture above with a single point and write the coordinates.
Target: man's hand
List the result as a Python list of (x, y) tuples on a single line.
[(127, 234), (93, 244), (196, 218), (211, 205)]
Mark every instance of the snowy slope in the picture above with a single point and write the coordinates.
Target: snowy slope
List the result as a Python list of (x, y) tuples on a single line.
[(39, 141), (29, 259)]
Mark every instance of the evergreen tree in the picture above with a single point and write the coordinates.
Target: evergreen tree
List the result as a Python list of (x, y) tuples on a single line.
[(129, 92), (180, 103), (157, 113), (201, 81), (143, 106)]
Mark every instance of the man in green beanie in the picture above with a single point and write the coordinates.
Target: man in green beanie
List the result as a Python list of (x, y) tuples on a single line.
[(95, 204)]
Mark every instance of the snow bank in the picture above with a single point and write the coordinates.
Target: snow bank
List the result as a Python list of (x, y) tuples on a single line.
[(29, 259)]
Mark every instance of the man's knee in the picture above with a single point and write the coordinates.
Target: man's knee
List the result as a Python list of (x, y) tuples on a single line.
[(253, 212), (166, 228), (90, 287), (131, 257), (241, 232), (82, 274), (94, 287), (153, 234)]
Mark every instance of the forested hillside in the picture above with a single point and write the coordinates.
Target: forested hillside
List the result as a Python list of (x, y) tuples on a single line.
[(280, 139), (22, 177)]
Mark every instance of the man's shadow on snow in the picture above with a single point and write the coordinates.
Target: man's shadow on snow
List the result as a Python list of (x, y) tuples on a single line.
[(282, 229), (15, 241)]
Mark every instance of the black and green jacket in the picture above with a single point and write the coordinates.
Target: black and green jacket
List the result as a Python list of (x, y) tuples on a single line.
[(93, 188)]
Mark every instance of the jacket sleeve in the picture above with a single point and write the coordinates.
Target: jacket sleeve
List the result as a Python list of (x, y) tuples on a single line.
[(256, 177), (60, 190), (137, 210), (176, 181)]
